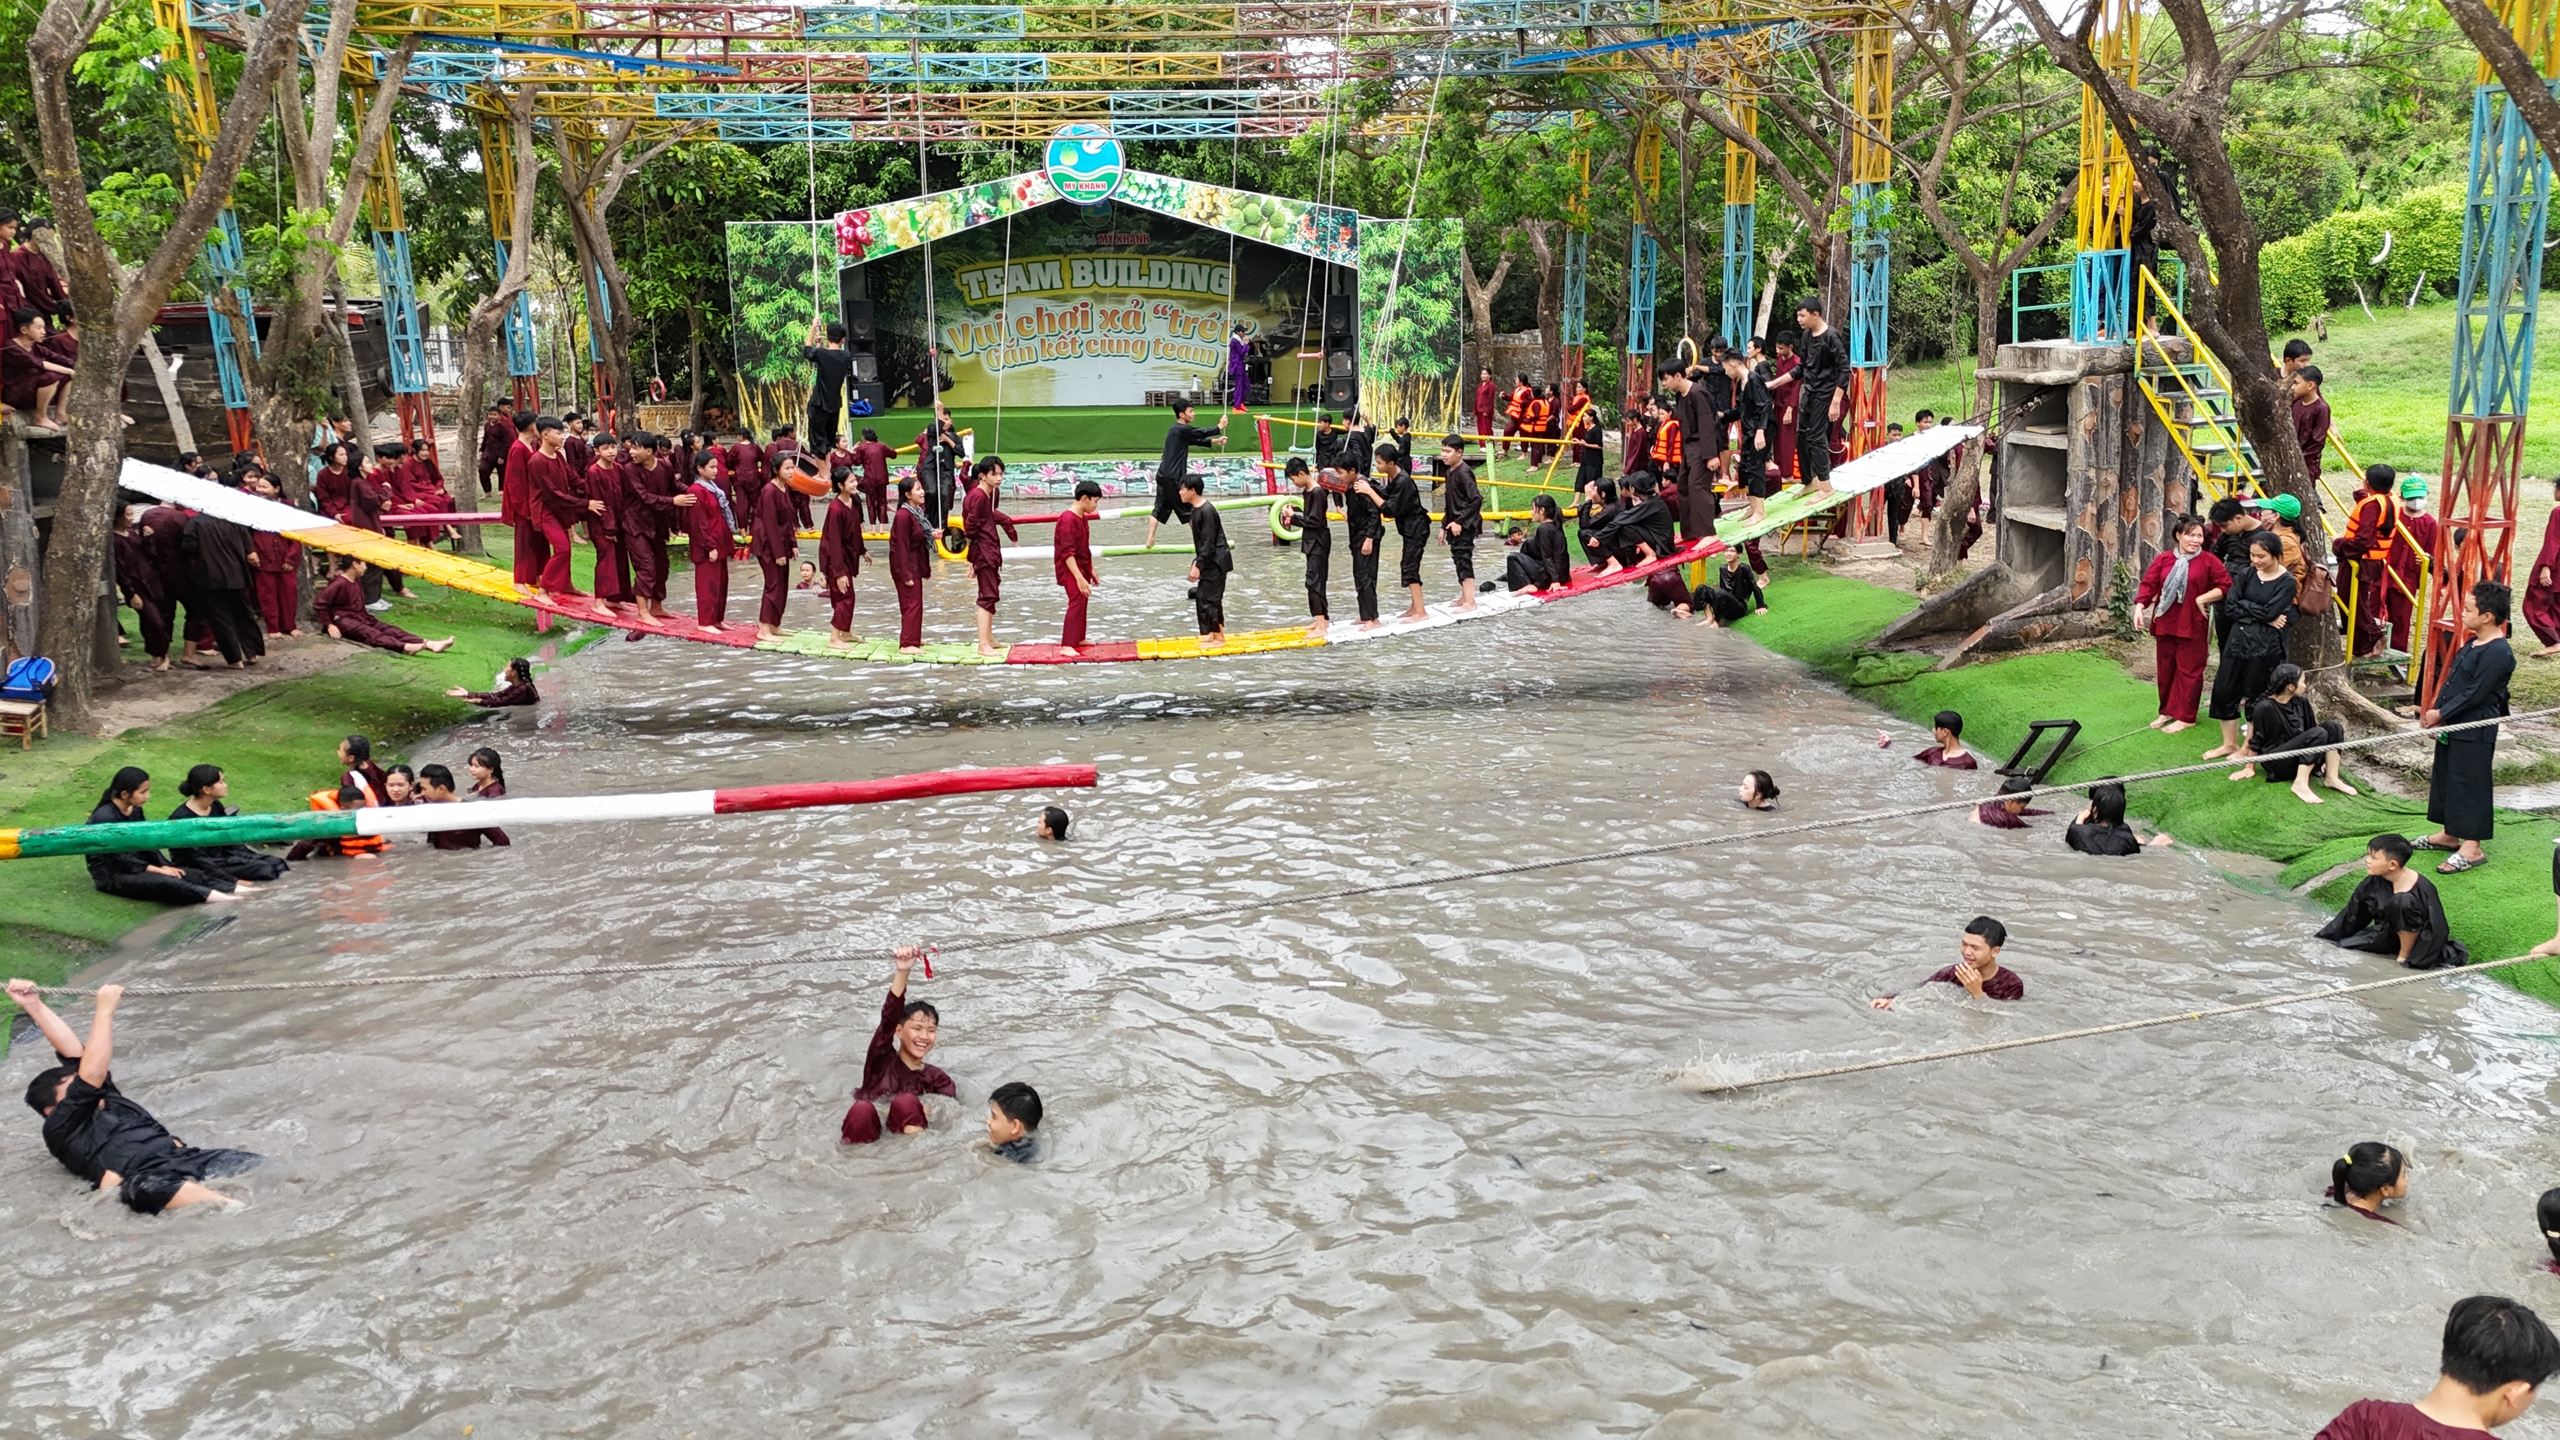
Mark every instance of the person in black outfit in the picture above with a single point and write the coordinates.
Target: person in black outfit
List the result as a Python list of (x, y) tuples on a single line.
[(1315, 536), (1819, 383), (101, 1136), (2260, 604), (1403, 504), (2286, 744), (1639, 534), (1360, 446), (1735, 593), (1542, 560), (1754, 411), (146, 874), (1598, 506), (205, 788), (2232, 525), (2395, 911), (2100, 828), (826, 393), (2475, 688), (217, 560), (1329, 439), (1176, 463), (938, 466), (1211, 561), (1362, 509), (1461, 515)]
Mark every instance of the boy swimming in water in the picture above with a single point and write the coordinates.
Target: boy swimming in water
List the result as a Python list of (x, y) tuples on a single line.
[(2496, 1355), (1013, 1120), (893, 1069), (1978, 967)]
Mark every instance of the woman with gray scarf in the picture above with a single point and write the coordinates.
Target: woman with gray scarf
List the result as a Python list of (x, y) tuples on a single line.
[(2176, 586)]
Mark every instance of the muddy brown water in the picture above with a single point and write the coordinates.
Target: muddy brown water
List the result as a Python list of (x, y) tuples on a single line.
[(1419, 1165)]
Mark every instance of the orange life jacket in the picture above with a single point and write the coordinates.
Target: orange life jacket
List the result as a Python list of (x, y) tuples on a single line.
[(1666, 446), (351, 844)]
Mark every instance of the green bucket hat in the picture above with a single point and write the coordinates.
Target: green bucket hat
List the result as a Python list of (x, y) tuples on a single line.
[(2284, 505)]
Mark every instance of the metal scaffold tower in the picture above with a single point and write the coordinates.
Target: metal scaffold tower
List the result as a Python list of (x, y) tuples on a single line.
[(1741, 189), (1644, 263), (2102, 279), (189, 81), (498, 177), (1870, 258), (2505, 212), (402, 319)]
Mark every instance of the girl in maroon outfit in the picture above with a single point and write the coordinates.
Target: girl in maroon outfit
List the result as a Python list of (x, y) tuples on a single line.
[(775, 542), (893, 1069), (2176, 587), (841, 553), (910, 560), (2542, 588), (709, 531), (341, 610)]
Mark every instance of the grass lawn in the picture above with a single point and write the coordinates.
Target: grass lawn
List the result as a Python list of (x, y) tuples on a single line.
[(276, 743)]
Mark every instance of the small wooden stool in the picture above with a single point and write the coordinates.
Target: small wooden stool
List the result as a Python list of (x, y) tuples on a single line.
[(24, 719)]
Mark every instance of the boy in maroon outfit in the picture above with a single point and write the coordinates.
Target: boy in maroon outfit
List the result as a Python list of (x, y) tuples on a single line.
[(873, 457), (603, 484), (649, 487), (786, 443), (559, 501), (2496, 1355), (979, 519), (1071, 551), (893, 1069)]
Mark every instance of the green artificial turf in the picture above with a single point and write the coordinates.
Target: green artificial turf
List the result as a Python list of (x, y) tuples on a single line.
[(2501, 909), (276, 744)]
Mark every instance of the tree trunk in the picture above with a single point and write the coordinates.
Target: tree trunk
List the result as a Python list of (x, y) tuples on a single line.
[(693, 364), (1480, 303), (1541, 237), (1964, 469), (1769, 286), (182, 432), (120, 313), (351, 379)]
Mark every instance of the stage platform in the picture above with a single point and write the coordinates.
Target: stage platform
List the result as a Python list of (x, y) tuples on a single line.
[(1089, 430)]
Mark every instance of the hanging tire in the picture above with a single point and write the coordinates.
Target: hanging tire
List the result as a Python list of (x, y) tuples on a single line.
[(1281, 530), (951, 544)]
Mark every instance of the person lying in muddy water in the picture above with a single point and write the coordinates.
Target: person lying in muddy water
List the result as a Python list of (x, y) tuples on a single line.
[(104, 1138), (1977, 967)]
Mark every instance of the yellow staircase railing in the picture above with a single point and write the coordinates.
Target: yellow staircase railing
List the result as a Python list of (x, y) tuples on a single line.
[(2192, 397)]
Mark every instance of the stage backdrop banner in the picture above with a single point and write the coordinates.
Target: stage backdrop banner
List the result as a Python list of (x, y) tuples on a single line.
[(777, 269), (1098, 306), (1326, 232), (1411, 318)]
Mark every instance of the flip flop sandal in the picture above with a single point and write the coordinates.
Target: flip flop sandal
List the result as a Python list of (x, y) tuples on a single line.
[(2432, 845), (2457, 865)]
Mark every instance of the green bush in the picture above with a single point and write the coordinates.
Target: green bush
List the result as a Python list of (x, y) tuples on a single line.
[(2304, 274)]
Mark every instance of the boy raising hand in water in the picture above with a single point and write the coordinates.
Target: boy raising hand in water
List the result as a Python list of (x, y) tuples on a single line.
[(894, 1070)]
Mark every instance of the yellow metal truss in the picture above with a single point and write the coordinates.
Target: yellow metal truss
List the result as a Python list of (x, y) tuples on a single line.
[(1741, 165), (2104, 207), (1871, 92)]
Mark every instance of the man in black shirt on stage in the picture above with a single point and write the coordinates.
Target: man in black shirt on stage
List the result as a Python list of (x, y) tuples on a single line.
[(826, 393)]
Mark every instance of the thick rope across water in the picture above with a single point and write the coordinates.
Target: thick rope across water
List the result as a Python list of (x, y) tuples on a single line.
[(1235, 908), (2419, 977)]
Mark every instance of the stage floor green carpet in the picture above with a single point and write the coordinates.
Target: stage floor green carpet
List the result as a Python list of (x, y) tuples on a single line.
[(1093, 430)]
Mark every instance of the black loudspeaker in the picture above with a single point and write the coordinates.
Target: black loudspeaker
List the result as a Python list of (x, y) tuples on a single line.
[(1341, 352), (865, 403), (859, 326)]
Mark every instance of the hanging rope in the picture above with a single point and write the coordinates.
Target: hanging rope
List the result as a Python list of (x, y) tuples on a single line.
[(932, 325), (1227, 327), (1004, 332), (809, 132), (1293, 899), (1412, 194), (2420, 977)]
